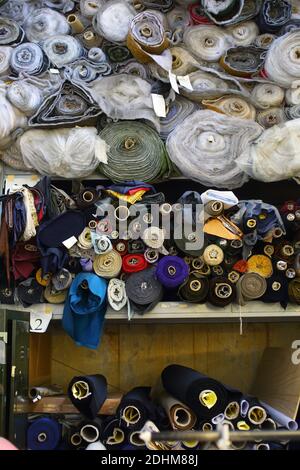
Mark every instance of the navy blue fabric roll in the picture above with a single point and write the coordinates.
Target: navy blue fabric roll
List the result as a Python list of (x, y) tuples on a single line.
[(43, 434), (52, 233), (136, 408), (273, 15), (88, 393), (277, 290), (113, 434)]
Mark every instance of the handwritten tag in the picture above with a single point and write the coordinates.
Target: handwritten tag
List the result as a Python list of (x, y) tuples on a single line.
[(40, 318), (185, 82), (173, 81), (69, 242), (159, 105)]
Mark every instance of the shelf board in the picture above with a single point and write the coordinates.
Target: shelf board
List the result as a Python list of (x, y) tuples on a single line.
[(62, 404)]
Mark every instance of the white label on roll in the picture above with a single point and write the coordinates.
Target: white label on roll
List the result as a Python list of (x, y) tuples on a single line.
[(159, 105), (185, 82), (173, 81)]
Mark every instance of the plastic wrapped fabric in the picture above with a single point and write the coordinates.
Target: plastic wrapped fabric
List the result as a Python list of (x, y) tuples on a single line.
[(275, 155), (206, 146), (43, 23), (70, 104), (72, 153), (113, 19), (11, 118), (90, 9), (233, 106), (62, 49), (243, 34), (135, 151), (207, 42), (28, 58), (179, 109), (88, 393), (124, 97), (267, 95), (11, 32), (24, 96)]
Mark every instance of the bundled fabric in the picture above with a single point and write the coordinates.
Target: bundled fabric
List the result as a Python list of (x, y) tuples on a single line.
[(60, 152), (135, 151), (113, 19), (143, 290), (43, 434), (88, 393), (84, 309), (206, 146)]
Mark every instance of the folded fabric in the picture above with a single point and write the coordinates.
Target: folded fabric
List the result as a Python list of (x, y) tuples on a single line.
[(84, 310)]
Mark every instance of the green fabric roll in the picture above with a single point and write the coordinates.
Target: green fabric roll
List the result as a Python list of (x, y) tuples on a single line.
[(135, 152)]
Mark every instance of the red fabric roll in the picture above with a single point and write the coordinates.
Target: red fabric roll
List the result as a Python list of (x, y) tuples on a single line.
[(197, 16), (133, 263)]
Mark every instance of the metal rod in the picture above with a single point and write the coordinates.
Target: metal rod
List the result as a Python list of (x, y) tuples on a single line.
[(214, 436)]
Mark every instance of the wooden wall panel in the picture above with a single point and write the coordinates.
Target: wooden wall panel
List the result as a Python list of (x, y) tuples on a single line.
[(131, 355)]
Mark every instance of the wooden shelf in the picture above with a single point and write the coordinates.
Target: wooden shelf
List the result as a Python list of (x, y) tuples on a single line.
[(62, 405)]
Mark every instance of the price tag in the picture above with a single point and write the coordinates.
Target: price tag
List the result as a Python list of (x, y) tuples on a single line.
[(185, 82), (70, 242), (159, 105), (40, 317), (173, 81)]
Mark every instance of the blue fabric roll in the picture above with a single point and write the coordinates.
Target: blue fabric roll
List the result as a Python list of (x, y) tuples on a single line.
[(85, 309), (43, 434)]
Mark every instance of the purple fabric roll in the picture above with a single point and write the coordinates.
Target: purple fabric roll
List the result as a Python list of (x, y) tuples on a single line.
[(172, 271), (86, 264)]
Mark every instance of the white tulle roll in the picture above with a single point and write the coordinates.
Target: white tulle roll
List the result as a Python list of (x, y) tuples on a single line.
[(5, 55), (282, 63), (243, 34), (113, 20), (44, 23), (10, 117), (62, 49), (89, 8), (292, 95), (207, 42), (275, 155), (267, 95), (24, 96), (206, 145), (71, 153)]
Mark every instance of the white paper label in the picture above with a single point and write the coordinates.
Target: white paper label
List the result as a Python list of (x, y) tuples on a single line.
[(70, 242), (40, 317), (185, 81), (159, 105), (173, 81), (54, 71)]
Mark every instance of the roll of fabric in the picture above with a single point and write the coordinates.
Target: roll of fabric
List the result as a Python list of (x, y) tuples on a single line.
[(250, 286), (213, 255), (225, 12), (28, 58), (264, 40), (113, 20), (90, 9), (275, 145), (146, 37), (124, 97), (112, 434), (30, 292), (282, 64), (207, 42), (24, 96), (61, 5), (273, 15), (96, 446), (267, 95), (61, 280), (144, 291), (172, 271), (116, 294), (205, 396), (197, 14), (84, 71), (11, 118), (292, 96), (133, 263), (292, 112), (271, 117), (136, 408), (85, 308), (17, 10), (294, 291), (206, 146), (88, 393), (101, 243), (244, 34), (90, 430), (161, 5), (108, 265), (243, 61), (43, 434), (153, 237), (5, 55), (232, 106), (277, 290), (62, 49), (261, 265), (140, 147), (72, 152), (179, 109), (11, 32), (221, 291), (44, 23), (194, 289)]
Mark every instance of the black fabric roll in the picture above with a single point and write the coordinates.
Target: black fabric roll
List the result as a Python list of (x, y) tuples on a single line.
[(88, 398), (143, 290), (136, 408), (87, 197), (277, 290), (194, 289), (113, 433), (190, 386), (221, 291), (30, 292)]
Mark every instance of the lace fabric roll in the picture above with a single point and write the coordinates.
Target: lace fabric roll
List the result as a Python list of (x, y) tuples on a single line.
[(282, 64), (11, 118), (179, 109), (70, 104), (271, 117), (124, 97), (207, 42), (24, 96), (62, 49), (11, 33), (72, 153), (44, 23), (28, 58), (250, 286), (5, 55), (144, 291), (231, 106), (273, 15), (135, 152), (267, 95), (243, 61), (275, 155), (243, 34), (206, 145), (113, 20), (225, 12), (108, 265)]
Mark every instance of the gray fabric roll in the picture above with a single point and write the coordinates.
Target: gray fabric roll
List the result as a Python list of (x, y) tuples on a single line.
[(293, 112), (62, 50), (28, 58), (44, 23), (11, 33), (270, 117), (179, 109)]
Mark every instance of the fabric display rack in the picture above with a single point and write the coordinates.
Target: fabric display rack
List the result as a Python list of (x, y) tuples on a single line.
[(150, 224)]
